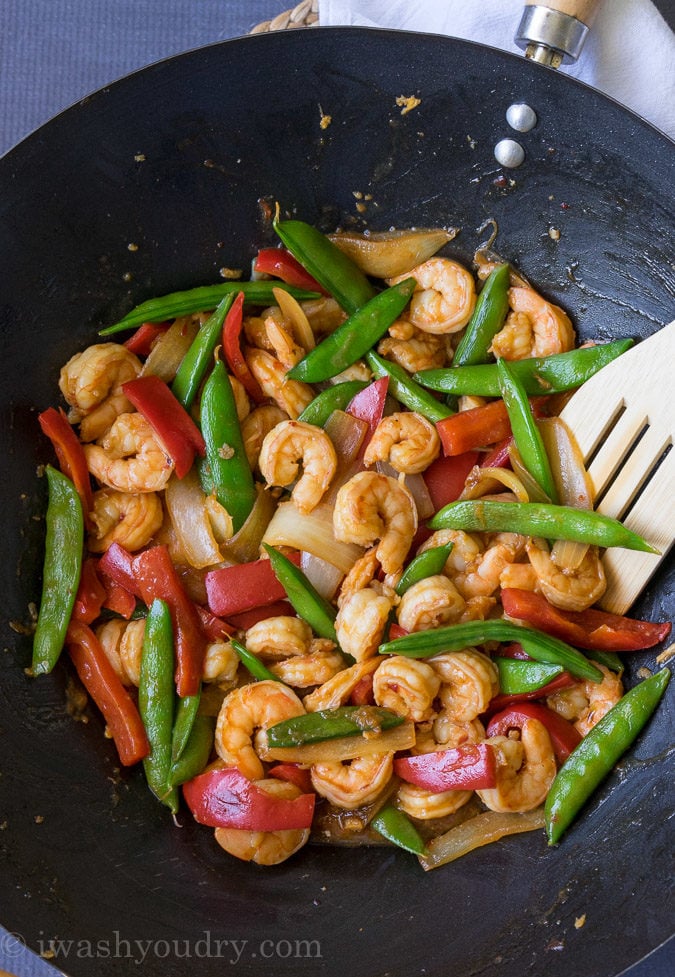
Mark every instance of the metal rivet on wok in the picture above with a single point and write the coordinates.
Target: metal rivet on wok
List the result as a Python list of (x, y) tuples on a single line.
[(521, 117), (509, 153)]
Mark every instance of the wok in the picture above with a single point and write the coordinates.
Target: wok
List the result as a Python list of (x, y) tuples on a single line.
[(175, 159)]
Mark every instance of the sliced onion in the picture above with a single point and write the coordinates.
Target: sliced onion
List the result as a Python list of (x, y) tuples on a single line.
[(415, 484), (166, 355), (485, 481), (347, 433), (481, 830), (530, 484), (293, 311), (312, 532), (572, 482), (186, 505), (245, 545), (321, 574), (385, 254), (343, 747), (220, 519)]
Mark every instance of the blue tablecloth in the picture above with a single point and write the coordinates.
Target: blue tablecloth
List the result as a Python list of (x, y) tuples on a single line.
[(53, 53)]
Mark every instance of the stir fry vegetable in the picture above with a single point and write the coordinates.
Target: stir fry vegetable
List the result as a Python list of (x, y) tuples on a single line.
[(307, 592)]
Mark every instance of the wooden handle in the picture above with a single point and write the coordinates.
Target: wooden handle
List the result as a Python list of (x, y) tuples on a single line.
[(583, 10)]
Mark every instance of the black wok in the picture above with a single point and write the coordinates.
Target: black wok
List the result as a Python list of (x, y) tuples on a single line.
[(175, 159)]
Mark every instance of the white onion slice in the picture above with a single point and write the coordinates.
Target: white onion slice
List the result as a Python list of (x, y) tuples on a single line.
[(572, 482), (385, 254), (166, 355), (481, 830), (321, 574), (185, 502), (293, 311)]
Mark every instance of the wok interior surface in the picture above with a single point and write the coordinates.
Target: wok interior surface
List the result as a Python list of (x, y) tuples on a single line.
[(175, 160)]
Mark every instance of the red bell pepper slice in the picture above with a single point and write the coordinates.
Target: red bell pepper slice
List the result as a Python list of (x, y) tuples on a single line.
[(471, 766), (282, 264), (142, 340), (70, 453), (117, 598), (91, 594), (445, 477), (172, 424), (591, 629), (499, 457), (232, 590), (362, 693), (213, 627), (156, 576), (117, 563), (104, 686), (564, 737), (368, 406), (294, 774), (502, 701), (246, 620), (479, 427), (224, 798), (234, 357)]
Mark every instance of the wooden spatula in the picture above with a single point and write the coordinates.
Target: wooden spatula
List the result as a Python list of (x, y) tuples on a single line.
[(624, 421)]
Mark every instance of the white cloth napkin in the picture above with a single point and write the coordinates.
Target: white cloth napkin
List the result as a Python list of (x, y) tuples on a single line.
[(629, 53)]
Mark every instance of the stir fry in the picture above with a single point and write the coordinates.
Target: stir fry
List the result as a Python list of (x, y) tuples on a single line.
[(325, 558)]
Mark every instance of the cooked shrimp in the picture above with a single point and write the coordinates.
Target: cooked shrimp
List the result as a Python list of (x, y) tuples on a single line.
[(122, 642), (413, 349), (587, 702), (337, 690), (352, 783), (361, 621), (425, 805), (259, 422), (316, 667), (249, 710), (279, 637), (280, 335), (469, 679), (534, 327), (372, 507), (265, 847), (430, 603), (91, 382), (220, 662), (482, 577), (361, 575), (122, 517), (294, 444), (466, 549), (526, 769), (324, 315), (292, 396), (573, 590), (445, 296), (241, 401), (445, 733), (408, 441), (129, 458), (406, 686)]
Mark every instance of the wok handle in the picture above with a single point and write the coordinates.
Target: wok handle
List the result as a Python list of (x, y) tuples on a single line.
[(554, 31)]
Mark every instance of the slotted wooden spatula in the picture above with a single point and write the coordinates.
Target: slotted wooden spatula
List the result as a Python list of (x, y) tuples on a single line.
[(624, 421)]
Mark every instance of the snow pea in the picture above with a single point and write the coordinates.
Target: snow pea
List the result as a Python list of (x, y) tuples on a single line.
[(405, 390), (487, 319), (196, 753), (199, 356), (329, 724), (526, 434), (517, 676), (336, 397), (539, 375), (306, 600), (424, 565), (201, 299), (596, 755), (156, 694), (186, 713), (355, 336), (325, 262), (253, 663), (539, 519), (397, 828), (62, 568), (542, 647)]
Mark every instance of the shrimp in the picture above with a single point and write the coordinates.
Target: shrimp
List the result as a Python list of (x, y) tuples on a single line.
[(575, 590), (129, 458), (469, 679), (361, 574), (534, 327), (361, 621), (337, 690), (482, 577), (246, 710), (408, 441), (425, 805), (413, 349), (353, 783), (445, 733), (221, 662), (256, 425), (287, 351), (465, 551), (291, 396), (373, 507), (290, 444), (122, 642), (406, 686), (122, 517), (324, 315), (430, 603), (526, 769), (279, 637), (241, 401), (265, 847), (587, 702), (91, 382), (445, 296), (320, 664)]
